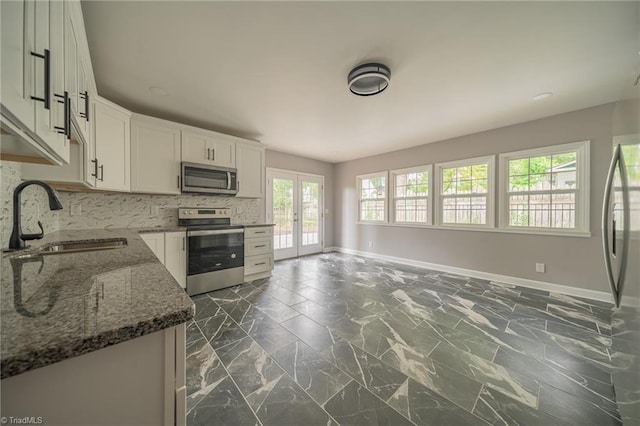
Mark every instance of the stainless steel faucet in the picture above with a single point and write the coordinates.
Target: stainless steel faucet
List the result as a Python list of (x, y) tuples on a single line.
[(16, 242)]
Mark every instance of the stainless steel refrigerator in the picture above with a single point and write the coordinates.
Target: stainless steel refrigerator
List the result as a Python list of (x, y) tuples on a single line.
[(621, 247)]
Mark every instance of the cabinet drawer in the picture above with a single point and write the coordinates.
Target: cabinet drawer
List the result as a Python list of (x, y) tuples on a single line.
[(258, 231), (257, 264), (256, 246)]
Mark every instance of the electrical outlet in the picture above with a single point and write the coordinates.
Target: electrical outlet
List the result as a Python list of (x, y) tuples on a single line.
[(370, 243), (154, 210), (76, 209), (540, 267)]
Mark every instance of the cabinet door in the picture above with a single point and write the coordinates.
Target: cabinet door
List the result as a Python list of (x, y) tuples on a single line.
[(49, 35), (155, 158), (223, 152), (155, 241), (83, 115), (18, 21), (195, 148), (113, 148), (176, 256), (71, 55), (251, 171)]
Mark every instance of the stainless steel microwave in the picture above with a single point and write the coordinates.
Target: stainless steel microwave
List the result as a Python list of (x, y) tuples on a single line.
[(204, 179)]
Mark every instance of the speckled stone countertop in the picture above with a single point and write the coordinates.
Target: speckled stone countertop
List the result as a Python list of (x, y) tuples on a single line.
[(160, 229), (254, 225), (60, 306)]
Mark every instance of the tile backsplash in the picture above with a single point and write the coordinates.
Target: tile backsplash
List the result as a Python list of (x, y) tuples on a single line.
[(119, 210), (108, 210)]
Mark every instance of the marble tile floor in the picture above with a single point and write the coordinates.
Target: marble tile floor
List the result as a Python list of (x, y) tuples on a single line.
[(335, 339)]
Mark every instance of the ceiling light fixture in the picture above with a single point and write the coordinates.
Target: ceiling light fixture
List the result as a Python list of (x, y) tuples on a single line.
[(541, 96), (158, 91), (369, 79)]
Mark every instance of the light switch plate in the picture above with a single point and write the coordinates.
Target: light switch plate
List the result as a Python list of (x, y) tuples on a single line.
[(540, 267)]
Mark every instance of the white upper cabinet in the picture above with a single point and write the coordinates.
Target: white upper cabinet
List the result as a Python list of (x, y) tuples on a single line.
[(18, 34), (77, 69), (209, 148), (155, 156), (51, 124), (33, 104), (111, 133), (251, 170)]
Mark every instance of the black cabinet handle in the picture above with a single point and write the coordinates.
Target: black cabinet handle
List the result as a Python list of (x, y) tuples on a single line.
[(66, 129), (47, 78), (213, 154), (85, 95), (95, 168), (262, 245), (261, 263), (68, 115), (101, 173), (178, 181), (208, 153)]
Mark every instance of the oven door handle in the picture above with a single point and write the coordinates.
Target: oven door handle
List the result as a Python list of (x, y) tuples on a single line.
[(214, 232)]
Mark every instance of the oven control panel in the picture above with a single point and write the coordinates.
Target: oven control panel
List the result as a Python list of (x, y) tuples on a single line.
[(204, 213)]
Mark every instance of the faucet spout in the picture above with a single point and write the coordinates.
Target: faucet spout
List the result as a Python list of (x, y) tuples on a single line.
[(16, 242)]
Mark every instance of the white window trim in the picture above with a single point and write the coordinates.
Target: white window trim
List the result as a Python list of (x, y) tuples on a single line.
[(359, 179), (491, 161), (582, 149), (392, 188)]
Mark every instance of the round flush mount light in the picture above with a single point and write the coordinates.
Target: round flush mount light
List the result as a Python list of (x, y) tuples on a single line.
[(158, 91), (369, 79), (541, 96)]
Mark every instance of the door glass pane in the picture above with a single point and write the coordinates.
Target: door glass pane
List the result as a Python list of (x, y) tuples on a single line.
[(283, 213), (310, 213)]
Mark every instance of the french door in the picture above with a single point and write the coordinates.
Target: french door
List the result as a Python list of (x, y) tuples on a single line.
[(295, 205)]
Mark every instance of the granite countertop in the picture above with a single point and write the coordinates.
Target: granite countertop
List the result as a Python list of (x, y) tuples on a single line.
[(60, 306), (160, 229), (253, 225)]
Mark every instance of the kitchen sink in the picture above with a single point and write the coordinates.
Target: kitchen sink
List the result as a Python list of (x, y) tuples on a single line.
[(62, 247)]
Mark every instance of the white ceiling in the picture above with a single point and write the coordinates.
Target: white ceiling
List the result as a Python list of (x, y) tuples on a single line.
[(276, 71)]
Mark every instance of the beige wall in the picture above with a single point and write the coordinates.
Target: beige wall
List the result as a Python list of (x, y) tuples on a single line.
[(281, 160), (570, 261)]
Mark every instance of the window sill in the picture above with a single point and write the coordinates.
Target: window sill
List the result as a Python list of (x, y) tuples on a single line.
[(558, 233)]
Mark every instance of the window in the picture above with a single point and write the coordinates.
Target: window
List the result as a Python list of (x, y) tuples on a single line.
[(411, 195), (372, 197), (546, 188), (466, 192)]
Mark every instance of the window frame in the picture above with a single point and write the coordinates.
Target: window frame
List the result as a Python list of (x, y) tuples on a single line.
[(582, 193), (359, 179), (392, 199), (490, 160)]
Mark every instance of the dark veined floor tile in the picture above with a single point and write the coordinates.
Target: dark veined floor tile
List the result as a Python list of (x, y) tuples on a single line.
[(355, 405)]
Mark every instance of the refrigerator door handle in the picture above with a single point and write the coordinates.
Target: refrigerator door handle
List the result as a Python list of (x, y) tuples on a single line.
[(616, 285)]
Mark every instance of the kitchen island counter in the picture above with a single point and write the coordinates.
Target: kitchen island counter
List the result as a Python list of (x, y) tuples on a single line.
[(57, 307)]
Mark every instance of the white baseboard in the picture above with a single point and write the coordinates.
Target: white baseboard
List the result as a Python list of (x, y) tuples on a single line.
[(329, 249), (538, 285)]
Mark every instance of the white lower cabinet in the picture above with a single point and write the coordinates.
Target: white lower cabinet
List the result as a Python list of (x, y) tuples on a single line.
[(258, 252), (170, 248), (175, 256), (140, 381)]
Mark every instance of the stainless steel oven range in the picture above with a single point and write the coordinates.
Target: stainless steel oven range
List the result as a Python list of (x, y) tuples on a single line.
[(215, 249)]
